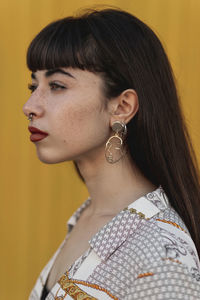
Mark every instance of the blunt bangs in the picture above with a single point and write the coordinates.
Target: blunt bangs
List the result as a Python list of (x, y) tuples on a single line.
[(64, 43)]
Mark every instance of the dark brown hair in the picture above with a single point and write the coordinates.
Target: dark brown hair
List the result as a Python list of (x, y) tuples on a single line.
[(128, 54)]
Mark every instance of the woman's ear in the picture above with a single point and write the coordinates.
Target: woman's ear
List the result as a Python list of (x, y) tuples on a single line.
[(124, 107)]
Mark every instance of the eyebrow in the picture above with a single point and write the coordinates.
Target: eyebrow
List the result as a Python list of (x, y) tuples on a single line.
[(53, 71)]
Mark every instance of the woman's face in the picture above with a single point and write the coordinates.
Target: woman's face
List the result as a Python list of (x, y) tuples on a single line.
[(70, 107)]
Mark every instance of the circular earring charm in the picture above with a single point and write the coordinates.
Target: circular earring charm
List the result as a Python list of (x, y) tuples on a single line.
[(119, 127)]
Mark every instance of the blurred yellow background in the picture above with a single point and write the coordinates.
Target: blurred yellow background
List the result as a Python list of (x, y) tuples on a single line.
[(37, 199)]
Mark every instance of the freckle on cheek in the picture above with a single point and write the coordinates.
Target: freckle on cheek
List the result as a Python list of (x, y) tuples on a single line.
[(75, 118)]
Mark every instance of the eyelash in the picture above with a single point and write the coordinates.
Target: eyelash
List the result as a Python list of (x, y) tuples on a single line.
[(33, 87)]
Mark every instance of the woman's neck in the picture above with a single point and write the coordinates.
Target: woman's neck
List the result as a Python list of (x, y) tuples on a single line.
[(112, 187)]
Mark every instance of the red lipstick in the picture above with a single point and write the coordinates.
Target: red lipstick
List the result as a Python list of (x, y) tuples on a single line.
[(37, 134)]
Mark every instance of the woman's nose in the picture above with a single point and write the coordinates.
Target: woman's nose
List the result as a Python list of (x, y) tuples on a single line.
[(32, 107)]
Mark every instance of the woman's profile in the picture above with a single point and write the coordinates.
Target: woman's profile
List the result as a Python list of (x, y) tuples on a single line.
[(104, 97)]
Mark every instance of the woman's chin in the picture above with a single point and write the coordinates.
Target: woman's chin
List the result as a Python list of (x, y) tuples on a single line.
[(50, 158)]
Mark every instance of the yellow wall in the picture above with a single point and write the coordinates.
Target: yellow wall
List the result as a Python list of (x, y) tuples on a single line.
[(37, 199)]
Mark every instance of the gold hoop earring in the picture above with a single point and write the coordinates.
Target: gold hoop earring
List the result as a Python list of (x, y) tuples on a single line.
[(114, 149)]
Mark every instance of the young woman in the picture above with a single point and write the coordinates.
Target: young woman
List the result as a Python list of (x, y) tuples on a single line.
[(103, 96)]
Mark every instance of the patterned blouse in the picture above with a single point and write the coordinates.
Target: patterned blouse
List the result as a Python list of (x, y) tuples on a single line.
[(144, 252)]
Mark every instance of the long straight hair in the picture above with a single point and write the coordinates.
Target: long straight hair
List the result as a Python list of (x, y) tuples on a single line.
[(126, 53)]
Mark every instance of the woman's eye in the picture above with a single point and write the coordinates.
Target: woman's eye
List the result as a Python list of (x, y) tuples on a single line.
[(32, 87), (55, 86)]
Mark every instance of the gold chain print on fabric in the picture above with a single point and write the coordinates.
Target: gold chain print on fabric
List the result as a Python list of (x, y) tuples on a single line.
[(145, 274), (142, 216), (134, 211), (172, 223), (171, 259), (71, 288)]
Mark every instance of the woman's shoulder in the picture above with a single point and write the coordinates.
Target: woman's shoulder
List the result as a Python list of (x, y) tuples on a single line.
[(147, 231), (168, 263), (165, 238), (146, 251)]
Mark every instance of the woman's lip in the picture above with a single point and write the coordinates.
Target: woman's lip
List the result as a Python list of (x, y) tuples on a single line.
[(35, 137), (36, 130)]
